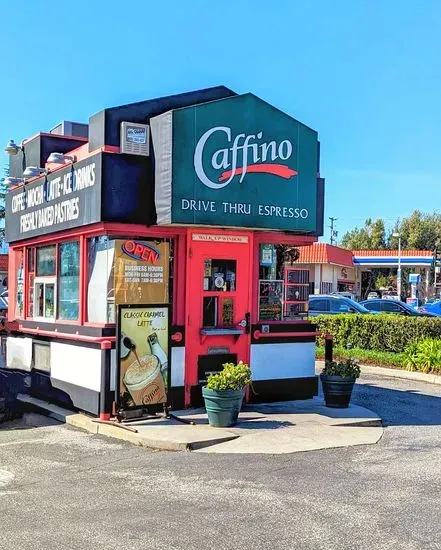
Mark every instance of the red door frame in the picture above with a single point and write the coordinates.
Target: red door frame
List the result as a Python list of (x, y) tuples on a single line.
[(196, 250)]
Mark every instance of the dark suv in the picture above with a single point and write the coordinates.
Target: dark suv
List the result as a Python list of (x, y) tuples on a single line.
[(333, 304)]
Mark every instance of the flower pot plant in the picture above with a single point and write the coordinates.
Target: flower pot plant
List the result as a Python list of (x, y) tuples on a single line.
[(338, 379), (224, 393)]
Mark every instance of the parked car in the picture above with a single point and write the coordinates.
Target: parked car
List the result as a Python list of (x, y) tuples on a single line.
[(332, 304), (431, 307), (393, 306), (373, 295)]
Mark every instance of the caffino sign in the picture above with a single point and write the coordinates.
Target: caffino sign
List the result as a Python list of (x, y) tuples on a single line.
[(236, 162), (233, 159)]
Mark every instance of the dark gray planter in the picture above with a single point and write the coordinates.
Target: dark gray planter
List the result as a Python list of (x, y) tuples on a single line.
[(337, 390)]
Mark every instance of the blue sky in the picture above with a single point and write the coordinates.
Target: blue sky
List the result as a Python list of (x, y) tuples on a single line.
[(365, 74)]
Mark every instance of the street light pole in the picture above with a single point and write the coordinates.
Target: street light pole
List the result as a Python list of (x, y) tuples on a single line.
[(399, 265)]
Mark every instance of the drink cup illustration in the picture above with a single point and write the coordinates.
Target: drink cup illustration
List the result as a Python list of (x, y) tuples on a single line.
[(144, 381)]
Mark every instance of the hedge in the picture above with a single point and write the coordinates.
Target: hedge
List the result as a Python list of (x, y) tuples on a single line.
[(384, 332)]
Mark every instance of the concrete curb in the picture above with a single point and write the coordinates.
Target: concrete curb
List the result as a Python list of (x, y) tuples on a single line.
[(86, 423), (403, 374), (396, 373)]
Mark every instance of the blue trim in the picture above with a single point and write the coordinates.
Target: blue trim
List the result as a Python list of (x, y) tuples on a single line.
[(393, 261)]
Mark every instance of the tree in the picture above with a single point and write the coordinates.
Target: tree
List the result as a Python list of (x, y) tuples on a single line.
[(371, 236), (418, 231)]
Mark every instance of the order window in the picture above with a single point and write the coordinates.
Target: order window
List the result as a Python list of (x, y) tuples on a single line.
[(219, 285)]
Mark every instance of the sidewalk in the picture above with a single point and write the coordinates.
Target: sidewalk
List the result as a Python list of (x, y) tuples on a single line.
[(391, 373), (276, 428)]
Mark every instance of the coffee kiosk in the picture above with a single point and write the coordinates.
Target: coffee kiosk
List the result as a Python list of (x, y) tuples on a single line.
[(184, 215)]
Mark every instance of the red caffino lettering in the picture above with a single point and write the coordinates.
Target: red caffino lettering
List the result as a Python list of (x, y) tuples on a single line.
[(130, 246)]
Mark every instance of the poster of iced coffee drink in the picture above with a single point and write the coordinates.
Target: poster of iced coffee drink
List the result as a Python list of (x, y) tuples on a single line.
[(143, 351)]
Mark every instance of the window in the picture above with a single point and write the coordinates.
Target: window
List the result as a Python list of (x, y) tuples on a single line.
[(372, 306), (51, 297), (127, 271), (391, 307), (319, 304), (100, 290), (46, 260), (283, 287), (326, 288), (19, 279), (220, 275), (31, 275), (44, 294), (42, 300), (69, 281), (340, 306)]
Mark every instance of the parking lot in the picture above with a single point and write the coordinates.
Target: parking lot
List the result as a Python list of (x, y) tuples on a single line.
[(62, 488)]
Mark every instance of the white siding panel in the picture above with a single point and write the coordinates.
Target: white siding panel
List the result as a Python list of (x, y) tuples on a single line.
[(277, 361), (77, 365)]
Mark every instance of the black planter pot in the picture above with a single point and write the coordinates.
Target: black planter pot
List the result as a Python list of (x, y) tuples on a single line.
[(337, 390)]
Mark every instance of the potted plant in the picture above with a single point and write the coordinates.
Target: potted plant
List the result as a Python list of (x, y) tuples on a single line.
[(224, 393), (338, 379)]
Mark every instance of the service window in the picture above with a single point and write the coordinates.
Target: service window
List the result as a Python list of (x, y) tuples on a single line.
[(44, 293), (283, 286), (219, 277)]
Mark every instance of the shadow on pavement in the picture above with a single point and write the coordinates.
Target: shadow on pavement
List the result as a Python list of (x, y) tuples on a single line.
[(398, 407)]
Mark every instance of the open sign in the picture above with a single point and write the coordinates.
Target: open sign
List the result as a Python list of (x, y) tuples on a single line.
[(141, 251)]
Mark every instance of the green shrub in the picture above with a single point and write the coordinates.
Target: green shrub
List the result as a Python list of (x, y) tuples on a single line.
[(424, 356), (384, 332), (367, 356), (232, 377)]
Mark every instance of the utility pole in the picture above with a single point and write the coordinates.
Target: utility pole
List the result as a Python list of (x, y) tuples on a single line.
[(333, 232)]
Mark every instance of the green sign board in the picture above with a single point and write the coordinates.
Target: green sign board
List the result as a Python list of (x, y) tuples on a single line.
[(236, 162)]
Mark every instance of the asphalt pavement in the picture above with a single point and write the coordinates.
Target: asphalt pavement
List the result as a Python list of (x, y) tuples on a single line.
[(62, 488)]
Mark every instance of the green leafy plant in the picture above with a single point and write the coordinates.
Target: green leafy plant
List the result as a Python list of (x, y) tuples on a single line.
[(424, 355), (348, 368), (231, 377), (411, 356)]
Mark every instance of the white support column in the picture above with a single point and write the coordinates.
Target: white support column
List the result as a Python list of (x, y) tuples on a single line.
[(427, 282), (317, 278)]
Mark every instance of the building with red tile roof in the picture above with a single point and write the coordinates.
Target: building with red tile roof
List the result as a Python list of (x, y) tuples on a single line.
[(336, 269)]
